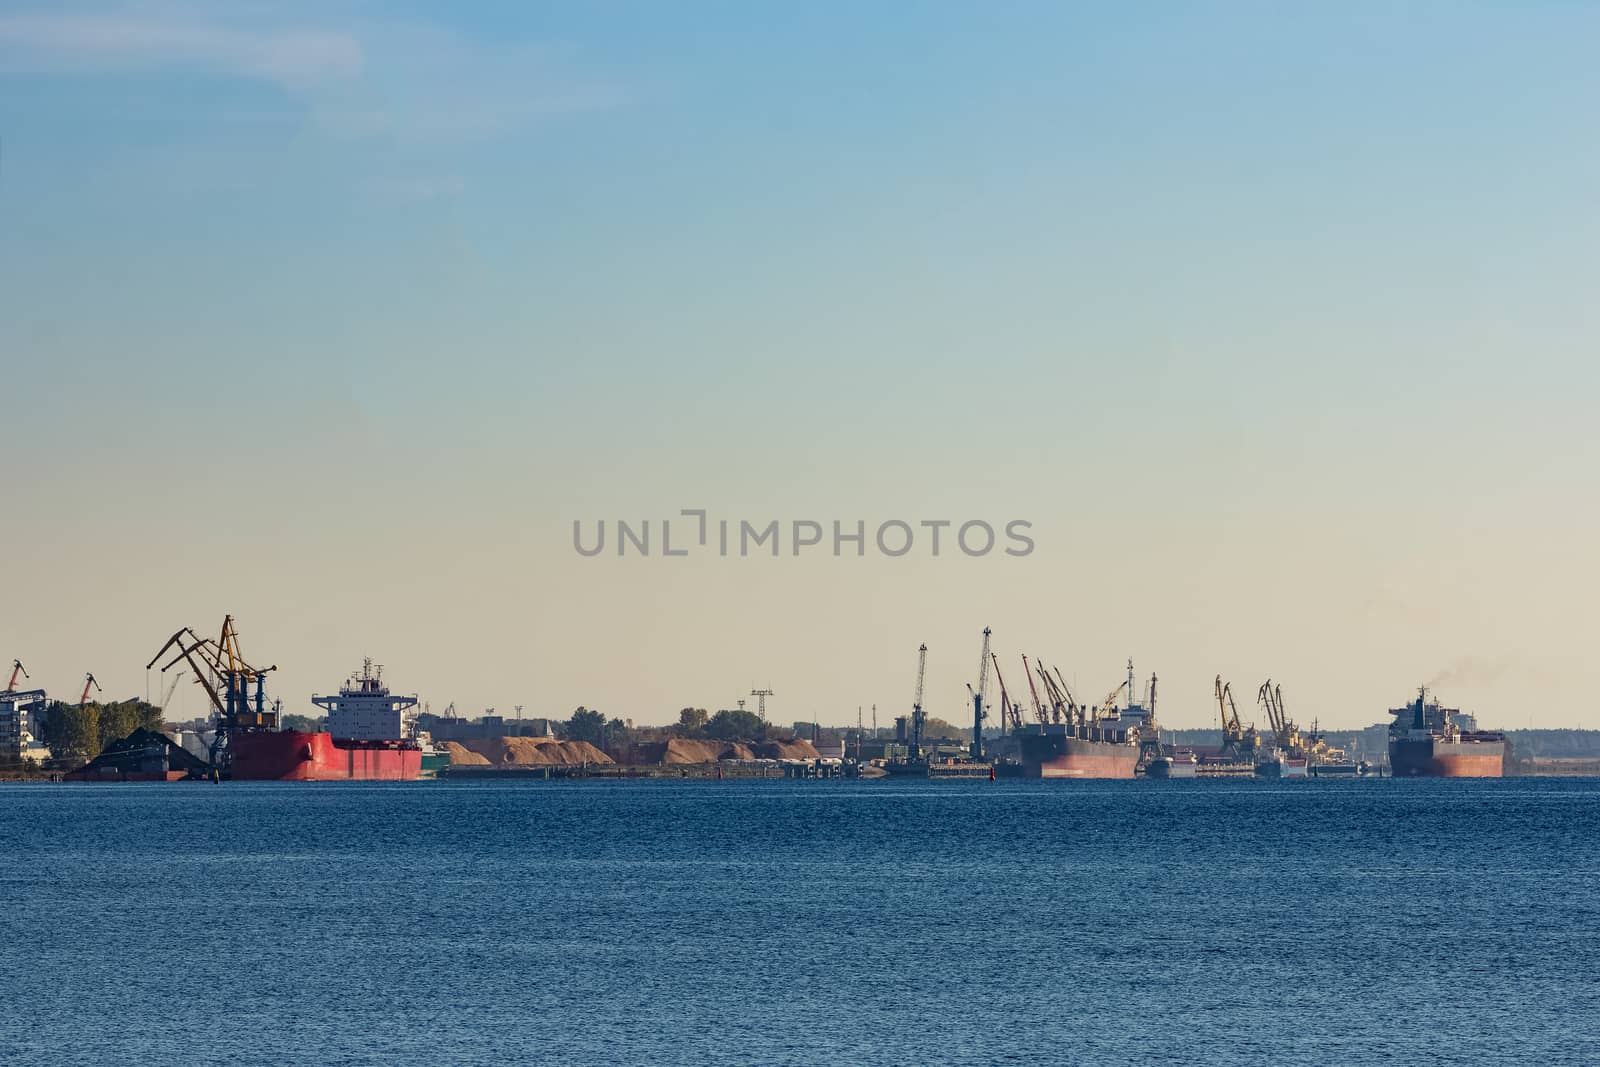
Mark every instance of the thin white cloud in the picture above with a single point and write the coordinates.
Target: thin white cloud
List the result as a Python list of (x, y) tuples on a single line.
[(292, 56), (395, 81)]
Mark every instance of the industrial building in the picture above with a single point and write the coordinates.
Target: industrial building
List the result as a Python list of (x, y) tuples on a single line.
[(21, 720)]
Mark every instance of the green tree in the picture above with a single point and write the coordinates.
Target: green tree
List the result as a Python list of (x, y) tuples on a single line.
[(940, 730), (303, 723), (77, 733), (586, 725), (120, 718), (692, 722), (737, 725)]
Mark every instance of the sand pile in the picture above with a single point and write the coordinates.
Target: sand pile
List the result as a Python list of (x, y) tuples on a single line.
[(462, 756), (535, 752), (581, 751), (682, 750), (786, 750)]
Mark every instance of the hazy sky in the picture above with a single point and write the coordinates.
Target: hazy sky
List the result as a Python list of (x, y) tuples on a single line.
[(1278, 324)]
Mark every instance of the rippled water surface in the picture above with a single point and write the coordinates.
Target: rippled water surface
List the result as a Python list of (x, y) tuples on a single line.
[(755, 922)]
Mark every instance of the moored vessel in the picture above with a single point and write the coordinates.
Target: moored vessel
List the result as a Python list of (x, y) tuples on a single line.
[(1284, 765), (1339, 768), (369, 734), (1061, 750), (1181, 763), (1427, 740), (1075, 740), (369, 737)]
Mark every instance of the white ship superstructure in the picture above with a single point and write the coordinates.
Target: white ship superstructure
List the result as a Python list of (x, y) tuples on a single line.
[(365, 710)]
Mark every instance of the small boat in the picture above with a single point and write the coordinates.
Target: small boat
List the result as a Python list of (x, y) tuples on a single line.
[(1181, 763)]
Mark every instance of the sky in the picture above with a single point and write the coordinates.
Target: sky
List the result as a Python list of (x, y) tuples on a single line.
[(1275, 324)]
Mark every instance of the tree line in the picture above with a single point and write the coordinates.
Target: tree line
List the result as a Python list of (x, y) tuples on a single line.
[(77, 733)]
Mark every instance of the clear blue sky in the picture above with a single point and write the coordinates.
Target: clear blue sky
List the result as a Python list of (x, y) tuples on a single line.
[(1277, 322)]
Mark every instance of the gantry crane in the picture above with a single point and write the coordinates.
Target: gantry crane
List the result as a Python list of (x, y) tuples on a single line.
[(1150, 730), (979, 712), (919, 717), (1238, 741), (1286, 736), (222, 671)]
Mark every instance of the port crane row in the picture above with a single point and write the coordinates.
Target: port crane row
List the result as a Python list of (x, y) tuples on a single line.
[(19, 671), (1049, 700)]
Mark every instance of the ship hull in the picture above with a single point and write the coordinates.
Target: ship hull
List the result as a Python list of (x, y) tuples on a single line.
[(1046, 755), (1291, 767), (1426, 758), (293, 756)]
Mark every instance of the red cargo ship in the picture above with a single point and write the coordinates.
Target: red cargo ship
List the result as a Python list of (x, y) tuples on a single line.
[(293, 756), (369, 735), (1426, 741), (369, 738)]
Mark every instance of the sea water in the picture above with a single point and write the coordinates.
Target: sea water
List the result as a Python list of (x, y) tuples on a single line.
[(742, 922)]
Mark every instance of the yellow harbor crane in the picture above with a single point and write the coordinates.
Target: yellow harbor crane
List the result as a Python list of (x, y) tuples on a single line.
[(1286, 735), (1239, 742), (222, 671)]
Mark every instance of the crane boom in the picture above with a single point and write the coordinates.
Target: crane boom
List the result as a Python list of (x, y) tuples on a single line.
[(1072, 703), (1232, 727), (983, 667), (171, 689), (16, 669), (1010, 714), (1074, 709), (88, 680), (1057, 700), (922, 666), (1038, 708)]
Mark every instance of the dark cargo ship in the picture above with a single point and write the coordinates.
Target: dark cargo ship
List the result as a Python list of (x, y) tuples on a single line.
[(1089, 742), (1070, 750), (1427, 741)]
